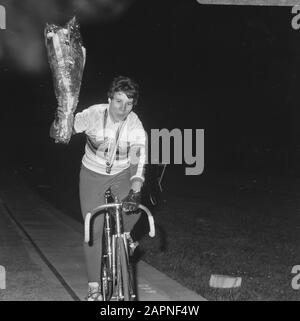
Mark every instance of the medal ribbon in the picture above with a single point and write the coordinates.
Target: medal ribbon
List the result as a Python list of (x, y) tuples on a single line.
[(111, 155)]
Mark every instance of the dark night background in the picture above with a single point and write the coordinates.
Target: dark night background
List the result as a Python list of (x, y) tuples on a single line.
[(233, 71)]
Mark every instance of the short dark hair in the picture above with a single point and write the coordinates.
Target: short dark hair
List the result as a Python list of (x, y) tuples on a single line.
[(126, 85)]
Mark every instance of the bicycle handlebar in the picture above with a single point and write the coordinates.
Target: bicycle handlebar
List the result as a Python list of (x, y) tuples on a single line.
[(114, 205)]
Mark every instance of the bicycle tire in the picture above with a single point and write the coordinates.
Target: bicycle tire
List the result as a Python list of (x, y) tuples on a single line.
[(118, 281), (127, 278), (107, 282)]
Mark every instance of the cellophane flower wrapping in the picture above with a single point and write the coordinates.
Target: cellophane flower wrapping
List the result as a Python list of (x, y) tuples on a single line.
[(66, 57)]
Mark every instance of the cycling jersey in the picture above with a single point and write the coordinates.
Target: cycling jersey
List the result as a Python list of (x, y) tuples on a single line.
[(111, 147)]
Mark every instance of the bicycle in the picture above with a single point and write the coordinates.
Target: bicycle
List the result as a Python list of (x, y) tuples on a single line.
[(116, 273)]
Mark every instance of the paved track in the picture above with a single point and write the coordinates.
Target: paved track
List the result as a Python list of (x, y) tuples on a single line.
[(43, 257)]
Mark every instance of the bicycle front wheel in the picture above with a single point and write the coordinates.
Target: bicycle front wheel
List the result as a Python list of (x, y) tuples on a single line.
[(106, 275), (107, 282), (124, 271)]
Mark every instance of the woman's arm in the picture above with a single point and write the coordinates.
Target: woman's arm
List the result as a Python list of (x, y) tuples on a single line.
[(80, 122), (137, 156)]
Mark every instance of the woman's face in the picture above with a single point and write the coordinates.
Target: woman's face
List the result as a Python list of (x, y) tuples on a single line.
[(120, 106)]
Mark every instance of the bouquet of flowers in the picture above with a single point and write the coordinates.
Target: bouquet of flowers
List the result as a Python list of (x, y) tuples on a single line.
[(66, 57)]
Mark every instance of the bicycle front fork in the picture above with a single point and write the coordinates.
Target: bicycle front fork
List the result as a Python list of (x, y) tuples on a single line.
[(108, 233)]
